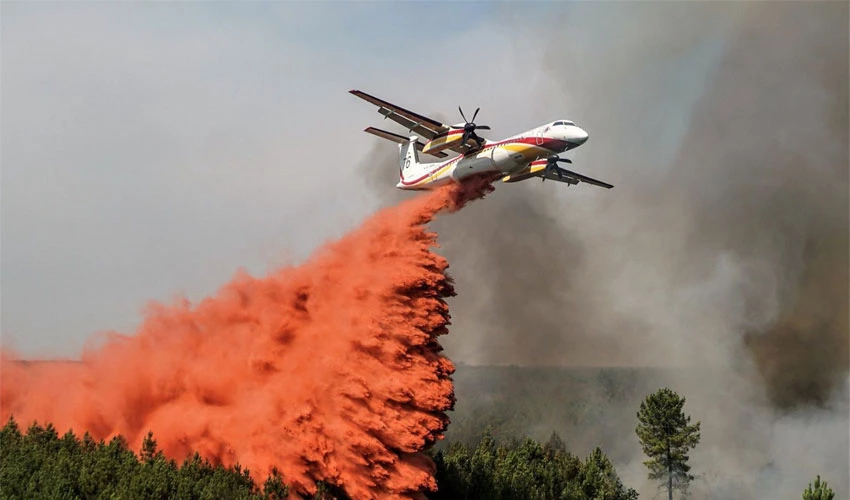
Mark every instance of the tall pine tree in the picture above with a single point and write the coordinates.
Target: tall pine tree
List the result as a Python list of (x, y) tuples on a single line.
[(818, 491), (666, 436)]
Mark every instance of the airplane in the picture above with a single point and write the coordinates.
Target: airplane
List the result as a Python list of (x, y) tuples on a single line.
[(533, 153)]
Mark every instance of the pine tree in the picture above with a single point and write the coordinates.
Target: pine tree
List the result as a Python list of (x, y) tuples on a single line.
[(274, 488), (148, 452), (666, 436), (818, 491)]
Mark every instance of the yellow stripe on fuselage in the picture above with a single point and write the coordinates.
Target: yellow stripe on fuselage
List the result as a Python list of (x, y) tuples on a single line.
[(527, 150)]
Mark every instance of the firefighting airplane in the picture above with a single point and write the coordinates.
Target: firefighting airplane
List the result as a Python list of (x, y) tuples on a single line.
[(533, 153)]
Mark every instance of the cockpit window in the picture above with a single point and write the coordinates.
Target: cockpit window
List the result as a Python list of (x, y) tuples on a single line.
[(565, 122)]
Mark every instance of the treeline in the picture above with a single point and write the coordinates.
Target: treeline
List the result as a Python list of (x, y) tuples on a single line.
[(39, 463), (525, 470)]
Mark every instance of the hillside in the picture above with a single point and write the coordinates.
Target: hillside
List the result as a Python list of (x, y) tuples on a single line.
[(587, 407)]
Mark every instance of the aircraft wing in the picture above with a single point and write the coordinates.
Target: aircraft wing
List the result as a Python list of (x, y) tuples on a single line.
[(414, 122), (571, 177), (423, 126), (401, 140)]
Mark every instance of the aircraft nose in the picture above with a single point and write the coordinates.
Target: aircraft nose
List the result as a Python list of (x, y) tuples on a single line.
[(577, 136)]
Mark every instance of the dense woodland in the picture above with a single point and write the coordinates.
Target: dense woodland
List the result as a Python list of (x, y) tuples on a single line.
[(501, 463), (525, 470), (39, 463)]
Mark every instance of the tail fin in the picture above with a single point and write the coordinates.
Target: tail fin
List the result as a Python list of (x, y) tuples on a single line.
[(408, 157), (408, 160)]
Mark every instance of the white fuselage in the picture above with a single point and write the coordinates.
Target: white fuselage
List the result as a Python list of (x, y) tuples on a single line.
[(509, 156)]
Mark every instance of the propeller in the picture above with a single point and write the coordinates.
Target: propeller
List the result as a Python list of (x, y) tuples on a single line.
[(469, 128), (552, 166)]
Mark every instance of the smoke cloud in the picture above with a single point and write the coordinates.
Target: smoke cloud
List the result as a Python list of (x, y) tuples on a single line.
[(328, 371), (721, 253)]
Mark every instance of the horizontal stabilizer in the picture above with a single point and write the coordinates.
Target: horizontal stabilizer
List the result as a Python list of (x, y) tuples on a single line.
[(401, 140)]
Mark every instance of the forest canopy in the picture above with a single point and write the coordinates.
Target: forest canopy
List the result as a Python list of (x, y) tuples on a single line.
[(39, 463)]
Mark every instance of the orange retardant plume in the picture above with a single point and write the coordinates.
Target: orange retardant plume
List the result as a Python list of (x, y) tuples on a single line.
[(328, 371)]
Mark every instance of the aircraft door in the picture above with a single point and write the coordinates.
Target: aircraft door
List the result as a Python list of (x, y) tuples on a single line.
[(538, 136)]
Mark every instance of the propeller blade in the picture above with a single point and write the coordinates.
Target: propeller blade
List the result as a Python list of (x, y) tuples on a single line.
[(469, 127), (567, 160)]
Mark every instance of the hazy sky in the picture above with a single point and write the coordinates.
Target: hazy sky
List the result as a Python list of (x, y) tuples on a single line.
[(152, 149)]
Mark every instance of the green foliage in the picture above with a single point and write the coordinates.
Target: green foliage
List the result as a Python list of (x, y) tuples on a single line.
[(666, 436), (274, 488), (40, 464), (818, 491), (525, 470)]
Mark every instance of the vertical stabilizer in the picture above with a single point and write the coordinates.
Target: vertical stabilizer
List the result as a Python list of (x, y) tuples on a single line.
[(408, 162), (408, 155)]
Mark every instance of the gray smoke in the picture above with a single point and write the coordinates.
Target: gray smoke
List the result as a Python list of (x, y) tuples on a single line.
[(517, 264), (725, 257)]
